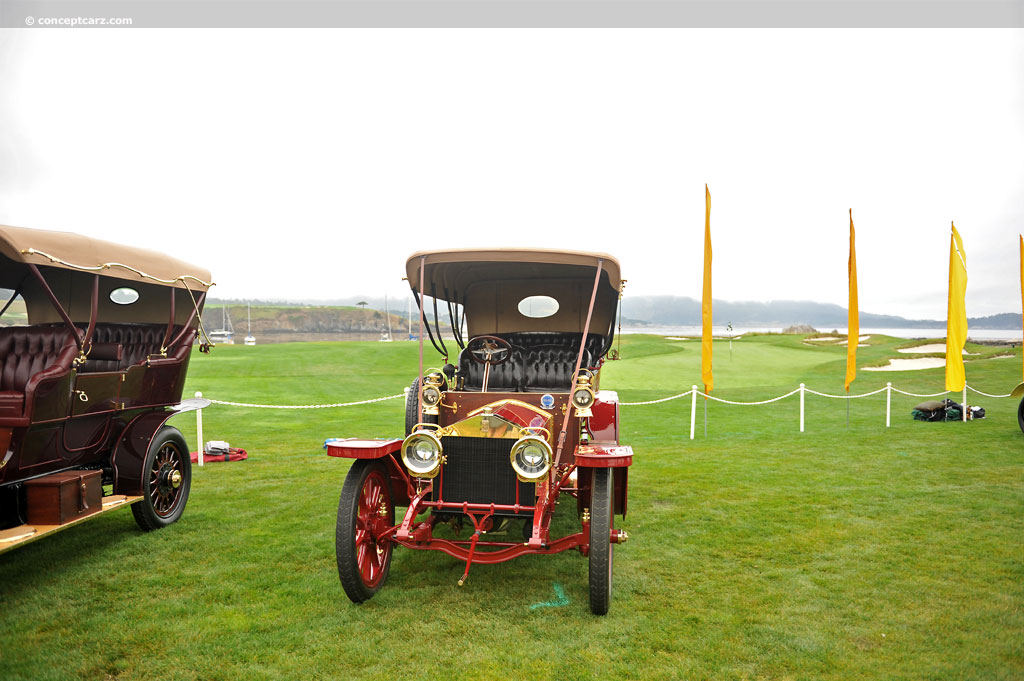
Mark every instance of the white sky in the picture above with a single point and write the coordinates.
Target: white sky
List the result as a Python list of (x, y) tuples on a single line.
[(309, 164)]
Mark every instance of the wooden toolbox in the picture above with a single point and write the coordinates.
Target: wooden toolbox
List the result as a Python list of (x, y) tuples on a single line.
[(62, 497)]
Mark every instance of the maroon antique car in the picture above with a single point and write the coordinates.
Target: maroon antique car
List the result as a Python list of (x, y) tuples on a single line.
[(89, 374), (492, 443)]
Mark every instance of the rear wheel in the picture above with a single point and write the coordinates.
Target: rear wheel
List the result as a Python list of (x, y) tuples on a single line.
[(1020, 415), (365, 513), (601, 516), (166, 480)]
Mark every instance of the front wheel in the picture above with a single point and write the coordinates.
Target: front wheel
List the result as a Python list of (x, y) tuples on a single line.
[(365, 513), (1020, 415), (166, 480), (601, 517)]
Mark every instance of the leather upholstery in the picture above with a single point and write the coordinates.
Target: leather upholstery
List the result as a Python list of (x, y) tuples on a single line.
[(541, 362), (137, 341), (28, 355), (28, 350)]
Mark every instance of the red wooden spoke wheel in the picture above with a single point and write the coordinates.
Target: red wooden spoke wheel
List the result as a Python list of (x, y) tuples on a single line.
[(166, 480), (365, 513)]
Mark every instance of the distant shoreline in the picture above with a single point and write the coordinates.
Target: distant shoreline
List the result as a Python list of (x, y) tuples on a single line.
[(1008, 335), (720, 333)]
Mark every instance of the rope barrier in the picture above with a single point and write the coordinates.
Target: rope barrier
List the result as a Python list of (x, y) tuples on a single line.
[(307, 406), (903, 392), (745, 404), (987, 395), (692, 392), (846, 397), (663, 399), (627, 404)]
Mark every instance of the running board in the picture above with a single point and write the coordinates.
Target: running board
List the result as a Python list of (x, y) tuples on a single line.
[(25, 534)]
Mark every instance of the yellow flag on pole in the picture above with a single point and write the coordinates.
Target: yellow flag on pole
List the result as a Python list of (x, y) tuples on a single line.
[(956, 314), (853, 313), (705, 308)]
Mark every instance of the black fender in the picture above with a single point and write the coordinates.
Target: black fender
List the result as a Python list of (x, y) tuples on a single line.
[(130, 454)]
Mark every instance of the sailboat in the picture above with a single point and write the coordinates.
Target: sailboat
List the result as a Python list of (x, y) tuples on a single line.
[(224, 334), (250, 339), (385, 336)]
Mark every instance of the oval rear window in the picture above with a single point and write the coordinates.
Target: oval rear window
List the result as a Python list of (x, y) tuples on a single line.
[(124, 296), (538, 307)]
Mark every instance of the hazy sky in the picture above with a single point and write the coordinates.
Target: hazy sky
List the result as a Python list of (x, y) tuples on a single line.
[(309, 163)]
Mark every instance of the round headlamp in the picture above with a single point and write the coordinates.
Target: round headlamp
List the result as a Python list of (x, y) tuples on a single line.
[(431, 396), (531, 458), (421, 454), (583, 398)]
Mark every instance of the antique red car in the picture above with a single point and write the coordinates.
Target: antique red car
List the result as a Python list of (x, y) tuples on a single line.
[(497, 439), (89, 375)]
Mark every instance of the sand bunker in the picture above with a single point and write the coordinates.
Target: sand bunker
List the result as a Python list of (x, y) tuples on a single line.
[(910, 364), (931, 347)]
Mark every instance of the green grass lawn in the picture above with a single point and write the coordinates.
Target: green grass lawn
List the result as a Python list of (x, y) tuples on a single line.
[(755, 552)]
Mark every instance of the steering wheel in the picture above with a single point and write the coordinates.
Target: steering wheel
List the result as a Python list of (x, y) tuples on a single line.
[(490, 350)]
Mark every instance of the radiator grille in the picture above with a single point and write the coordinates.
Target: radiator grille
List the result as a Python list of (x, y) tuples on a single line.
[(479, 471)]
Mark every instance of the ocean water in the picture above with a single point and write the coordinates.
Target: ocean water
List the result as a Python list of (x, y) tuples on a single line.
[(1008, 335)]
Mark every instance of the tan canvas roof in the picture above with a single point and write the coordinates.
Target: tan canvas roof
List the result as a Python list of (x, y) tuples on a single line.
[(76, 252), (490, 284), (458, 270)]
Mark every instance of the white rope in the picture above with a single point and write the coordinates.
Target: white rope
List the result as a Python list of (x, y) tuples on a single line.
[(970, 387), (307, 406), (845, 397), (663, 399), (622, 404), (904, 392), (774, 399)]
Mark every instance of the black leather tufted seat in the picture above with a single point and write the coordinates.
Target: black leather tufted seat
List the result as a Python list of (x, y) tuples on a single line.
[(540, 362), (137, 341), (28, 355)]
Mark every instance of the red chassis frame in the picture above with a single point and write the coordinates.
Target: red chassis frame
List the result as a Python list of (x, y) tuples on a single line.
[(419, 535)]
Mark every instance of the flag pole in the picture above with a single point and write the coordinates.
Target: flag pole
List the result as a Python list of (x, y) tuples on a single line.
[(852, 320), (956, 318), (705, 311)]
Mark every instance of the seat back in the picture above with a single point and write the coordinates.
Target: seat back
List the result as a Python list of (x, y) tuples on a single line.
[(137, 341), (540, 362), (505, 377), (27, 350)]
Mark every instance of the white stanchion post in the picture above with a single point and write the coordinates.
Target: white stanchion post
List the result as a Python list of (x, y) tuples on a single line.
[(199, 429), (888, 402), (964, 410), (801, 407), (693, 412)]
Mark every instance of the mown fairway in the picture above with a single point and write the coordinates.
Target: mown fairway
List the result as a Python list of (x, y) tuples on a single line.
[(756, 552)]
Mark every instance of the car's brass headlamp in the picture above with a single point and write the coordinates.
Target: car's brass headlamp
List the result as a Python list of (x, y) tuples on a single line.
[(583, 397), (421, 454), (531, 458), (431, 393)]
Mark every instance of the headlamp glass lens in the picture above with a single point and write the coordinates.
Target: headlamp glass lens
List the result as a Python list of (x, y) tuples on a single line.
[(531, 458), (421, 454), (582, 398)]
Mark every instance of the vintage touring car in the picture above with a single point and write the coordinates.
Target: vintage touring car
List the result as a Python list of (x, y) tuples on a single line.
[(497, 440), (89, 376)]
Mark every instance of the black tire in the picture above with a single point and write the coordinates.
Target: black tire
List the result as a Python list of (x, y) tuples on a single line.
[(412, 405), (601, 547), (1020, 415), (363, 561), (166, 481)]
